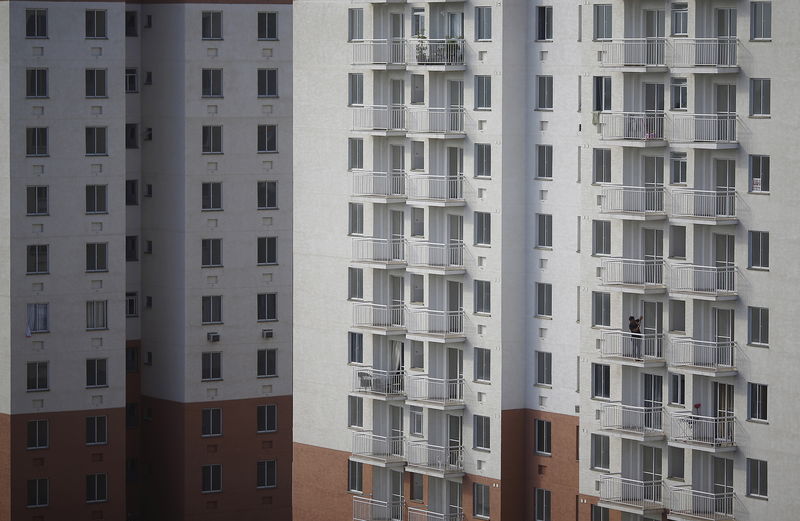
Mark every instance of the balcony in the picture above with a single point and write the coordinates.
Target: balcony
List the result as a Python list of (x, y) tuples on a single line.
[(380, 54), (385, 187), (705, 55), (435, 324), (381, 449), (635, 54), (437, 258), (687, 504), (436, 54), (368, 509), (635, 129), (637, 203), (388, 385), (436, 190), (704, 282), (436, 122), (706, 131), (441, 393), (704, 206), (388, 253), (633, 275), (710, 433), (703, 357), (630, 495), (380, 119), (637, 350), (633, 422), (418, 514), (436, 460), (380, 318)]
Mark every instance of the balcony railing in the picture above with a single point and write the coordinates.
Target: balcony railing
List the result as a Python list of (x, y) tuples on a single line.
[(704, 52), (435, 120), (634, 52), (434, 457), (418, 514), (436, 255), (705, 431), (713, 356), (633, 346), (444, 391), (631, 492), (639, 200), (379, 52), (703, 128), (712, 280), (436, 187), (633, 272), (435, 52), (372, 249), (379, 184), (368, 509), (379, 117), (368, 314), (713, 204), (630, 418), (434, 321), (639, 126), (706, 506), (371, 380), (380, 447)]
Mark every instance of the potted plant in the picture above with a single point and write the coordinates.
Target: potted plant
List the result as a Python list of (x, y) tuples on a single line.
[(422, 48)]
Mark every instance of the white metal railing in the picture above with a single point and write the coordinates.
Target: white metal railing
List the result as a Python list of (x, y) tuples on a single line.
[(379, 117), (709, 431), (704, 52), (631, 418), (632, 199), (369, 314), (435, 120), (379, 52), (703, 128), (435, 321), (702, 353), (436, 255), (642, 126), (376, 446), (419, 514), (445, 391), (368, 509), (371, 380), (635, 272), (373, 249), (715, 280), (436, 187), (634, 51), (434, 457), (688, 202), (622, 344), (701, 505), (421, 51), (379, 184), (631, 492)]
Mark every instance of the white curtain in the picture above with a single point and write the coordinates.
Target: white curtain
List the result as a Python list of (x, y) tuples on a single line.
[(396, 353)]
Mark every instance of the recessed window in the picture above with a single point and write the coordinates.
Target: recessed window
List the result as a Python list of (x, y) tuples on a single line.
[(544, 368), (483, 228), (544, 230), (600, 452), (212, 478), (355, 474), (601, 309), (601, 381), (131, 248), (212, 25), (355, 225), (211, 196), (212, 83), (267, 195), (675, 467), (36, 200), (677, 315), (483, 160), (483, 364), (268, 83), (96, 372), (96, 430), (544, 22), (679, 16), (417, 355), (355, 24), (417, 487), (760, 97), (600, 513), (761, 20), (543, 506), (544, 299), (480, 500), (211, 366), (268, 26), (759, 249), (36, 83), (680, 93), (543, 436), (267, 474), (544, 161), (96, 488), (677, 389), (602, 93), (759, 174), (212, 309), (267, 362), (211, 253), (38, 492), (355, 348), (96, 83), (96, 23), (355, 284), (602, 22), (601, 165), (267, 250), (38, 434), (212, 139), (601, 237), (757, 478), (267, 304), (96, 141), (481, 432), (36, 23), (483, 92), (97, 256), (131, 80), (38, 259), (131, 23), (36, 141), (483, 24), (211, 422), (131, 136), (678, 166), (131, 304), (417, 22), (417, 222), (756, 401), (37, 318), (483, 296), (415, 421), (544, 92), (417, 283), (37, 376), (96, 199), (267, 138), (355, 411), (267, 418), (96, 314), (355, 91), (677, 242)]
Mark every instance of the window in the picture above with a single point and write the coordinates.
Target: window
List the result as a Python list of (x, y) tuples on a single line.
[(355, 411), (759, 173), (601, 309), (96, 199), (96, 141), (544, 368), (36, 83), (678, 166), (544, 299), (355, 283), (417, 283), (415, 420), (544, 161), (37, 259), (211, 366), (544, 23), (677, 389), (267, 362), (95, 23), (96, 372), (542, 505), (760, 20), (602, 93), (417, 222), (38, 492), (483, 23), (97, 256), (355, 24), (97, 314), (483, 92), (760, 97), (267, 138), (212, 196), (267, 418), (212, 478), (355, 154), (36, 141), (96, 83), (417, 21), (267, 195), (37, 376), (677, 242), (417, 88), (131, 80), (417, 493), (355, 471), (757, 478), (601, 385), (417, 155), (267, 250), (267, 304), (602, 22), (601, 165), (38, 434), (355, 348), (483, 296), (211, 255), (756, 401), (267, 83), (677, 315), (211, 422), (37, 318), (417, 355), (212, 25), (131, 136), (601, 237), (759, 249), (483, 364), (481, 432), (544, 97), (483, 160), (355, 224), (267, 26), (212, 139), (131, 248), (96, 430), (36, 200), (680, 19), (480, 500), (212, 83), (680, 93), (600, 452), (266, 474), (483, 228), (675, 463), (544, 235), (212, 309), (131, 304), (543, 437), (131, 23), (600, 513), (36, 23)]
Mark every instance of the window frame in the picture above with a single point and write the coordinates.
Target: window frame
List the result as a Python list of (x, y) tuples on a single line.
[(212, 303), (264, 470), (96, 430), (543, 498), (212, 474), (544, 23), (267, 307), (758, 487), (268, 16), (99, 17), (267, 138), (211, 422), (96, 373), (266, 418), (40, 434), (483, 364), (759, 164), (758, 250), (36, 84), (601, 381), (483, 92), (601, 309), (483, 228), (39, 23), (544, 92), (544, 368), (761, 97), (267, 363), (483, 23), (211, 23), (543, 443), (544, 299), (599, 458), (96, 315), (762, 325), (483, 297), (766, 21), (481, 500), (35, 203), (482, 439), (757, 402), (544, 230), (602, 22)]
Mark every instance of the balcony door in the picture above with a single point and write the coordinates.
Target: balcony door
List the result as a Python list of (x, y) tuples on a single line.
[(396, 299), (454, 441), (724, 261), (653, 400), (455, 25), (454, 507), (396, 430), (723, 486), (455, 168), (397, 99), (653, 327), (725, 108), (653, 256), (455, 303), (726, 36), (455, 237), (725, 185), (654, 110), (397, 235), (654, 31), (723, 326), (397, 47), (651, 473), (396, 478), (455, 102), (723, 408), (455, 372), (654, 183)]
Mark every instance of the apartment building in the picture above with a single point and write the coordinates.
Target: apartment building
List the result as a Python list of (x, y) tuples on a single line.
[(146, 155)]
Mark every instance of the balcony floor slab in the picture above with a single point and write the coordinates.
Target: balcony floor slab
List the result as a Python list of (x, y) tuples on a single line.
[(394, 463), (437, 67), (435, 270), (710, 221), (636, 143), (646, 508), (637, 216), (635, 68), (701, 446), (634, 362), (705, 69), (643, 437), (705, 371), (452, 475), (699, 295), (436, 405), (704, 145), (639, 289)]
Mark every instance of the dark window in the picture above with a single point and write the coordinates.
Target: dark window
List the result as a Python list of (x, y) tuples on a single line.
[(267, 306), (267, 418), (38, 434), (267, 195), (267, 362), (131, 192), (131, 23), (96, 430), (266, 474), (267, 26)]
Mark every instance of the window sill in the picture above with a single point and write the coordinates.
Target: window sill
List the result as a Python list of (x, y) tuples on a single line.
[(671, 257), (677, 405), (267, 96), (212, 266), (39, 273), (601, 327), (97, 387), (481, 245), (96, 97), (543, 454), (262, 320), (537, 178), (676, 478), (211, 491), (543, 317), (267, 264), (601, 255), (760, 40), (600, 469), (47, 214), (757, 268), (96, 444), (760, 498), (265, 432), (37, 448), (96, 329), (760, 116), (543, 109), (211, 323), (263, 376), (756, 420), (213, 96), (482, 314), (678, 110), (484, 177), (543, 386), (37, 390), (37, 97), (484, 41), (268, 208), (267, 151), (37, 155), (482, 109), (97, 37), (96, 271), (482, 449), (211, 379), (275, 40), (212, 153), (96, 213), (544, 40), (600, 399), (761, 192), (482, 382), (267, 487), (676, 332), (96, 155), (543, 248), (211, 209), (40, 332)]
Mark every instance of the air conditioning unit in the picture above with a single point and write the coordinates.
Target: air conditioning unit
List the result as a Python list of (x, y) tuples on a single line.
[(213, 337), (267, 333)]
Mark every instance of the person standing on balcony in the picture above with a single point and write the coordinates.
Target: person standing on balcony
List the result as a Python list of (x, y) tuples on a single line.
[(634, 325)]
